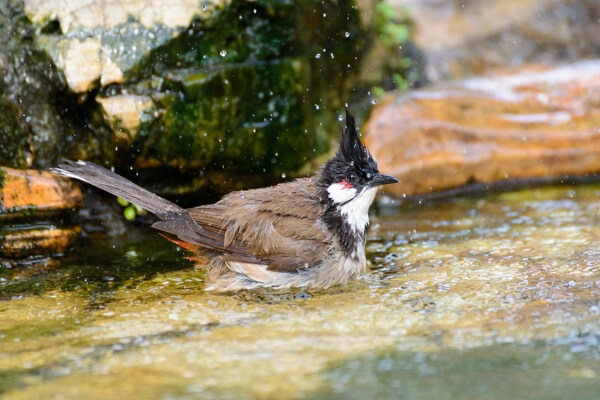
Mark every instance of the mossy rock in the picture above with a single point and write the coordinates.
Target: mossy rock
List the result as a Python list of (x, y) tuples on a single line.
[(244, 119), (40, 120), (248, 88), (254, 88)]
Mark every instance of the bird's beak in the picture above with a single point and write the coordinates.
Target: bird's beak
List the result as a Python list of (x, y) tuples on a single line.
[(380, 179)]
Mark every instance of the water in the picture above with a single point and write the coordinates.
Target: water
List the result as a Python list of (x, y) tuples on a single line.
[(495, 297)]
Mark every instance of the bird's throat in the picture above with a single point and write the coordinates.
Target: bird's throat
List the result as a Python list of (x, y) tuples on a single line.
[(356, 211)]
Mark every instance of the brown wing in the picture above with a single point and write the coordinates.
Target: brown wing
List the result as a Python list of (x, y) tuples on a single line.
[(278, 226)]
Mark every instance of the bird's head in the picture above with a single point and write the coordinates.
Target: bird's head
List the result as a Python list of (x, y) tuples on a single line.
[(351, 178)]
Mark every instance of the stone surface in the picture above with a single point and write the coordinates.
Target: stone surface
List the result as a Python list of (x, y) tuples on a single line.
[(124, 111), (40, 120), (463, 38), (33, 193), (460, 298), (92, 14), (29, 201), (87, 51), (50, 241), (536, 122), (85, 63), (228, 87)]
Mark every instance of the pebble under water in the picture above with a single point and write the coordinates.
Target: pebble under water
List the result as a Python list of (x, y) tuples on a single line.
[(494, 297)]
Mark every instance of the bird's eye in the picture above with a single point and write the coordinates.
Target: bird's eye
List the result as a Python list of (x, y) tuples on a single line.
[(351, 177)]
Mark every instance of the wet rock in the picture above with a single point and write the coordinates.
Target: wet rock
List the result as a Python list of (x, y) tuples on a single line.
[(40, 120), (465, 38), (24, 243), (508, 285), (125, 113), (29, 201), (32, 193), (73, 14), (103, 39), (86, 62), (227, 87), (535, 122)]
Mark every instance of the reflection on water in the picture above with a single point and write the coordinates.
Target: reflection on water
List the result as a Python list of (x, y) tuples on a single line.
[(495, 297)]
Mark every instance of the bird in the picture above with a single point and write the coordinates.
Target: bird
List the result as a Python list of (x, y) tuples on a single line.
[(307, 233)]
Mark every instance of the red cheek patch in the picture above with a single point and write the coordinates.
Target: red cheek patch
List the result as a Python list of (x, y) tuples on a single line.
[(346, 185)]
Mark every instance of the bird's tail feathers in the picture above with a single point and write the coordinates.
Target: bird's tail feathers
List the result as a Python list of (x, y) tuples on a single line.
[(112, 183)]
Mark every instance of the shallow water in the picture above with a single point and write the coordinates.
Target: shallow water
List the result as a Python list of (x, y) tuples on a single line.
[(495, 297)]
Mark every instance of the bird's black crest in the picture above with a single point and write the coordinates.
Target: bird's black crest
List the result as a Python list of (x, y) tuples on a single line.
[(352, 149), (352, 158)]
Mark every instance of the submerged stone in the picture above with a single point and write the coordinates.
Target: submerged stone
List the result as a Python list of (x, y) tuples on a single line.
[(534, 122), (472, 291)]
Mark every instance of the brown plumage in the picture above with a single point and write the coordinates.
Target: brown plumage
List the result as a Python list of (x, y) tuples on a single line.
[(305, 233)]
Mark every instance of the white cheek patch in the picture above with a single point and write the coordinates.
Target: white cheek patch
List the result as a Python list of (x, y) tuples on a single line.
[(340, 192)]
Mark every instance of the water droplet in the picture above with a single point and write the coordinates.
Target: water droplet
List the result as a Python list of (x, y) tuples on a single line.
[(340, 117), (317, 107), (347, 34), (223, 53), (283, 175), (318, 55), (374, 101)]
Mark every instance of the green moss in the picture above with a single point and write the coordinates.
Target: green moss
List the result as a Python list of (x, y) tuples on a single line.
[(242, 32), (242, 91), (217, 122)]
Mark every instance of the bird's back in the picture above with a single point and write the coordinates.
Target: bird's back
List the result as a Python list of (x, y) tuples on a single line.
[(279, 227)]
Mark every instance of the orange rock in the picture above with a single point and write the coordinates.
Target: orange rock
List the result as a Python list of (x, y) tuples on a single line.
[(537, 122), (27, 242), (35, 193)]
